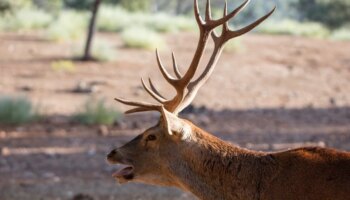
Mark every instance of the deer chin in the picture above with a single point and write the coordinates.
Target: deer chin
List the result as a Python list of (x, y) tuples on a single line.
[(124, 174)]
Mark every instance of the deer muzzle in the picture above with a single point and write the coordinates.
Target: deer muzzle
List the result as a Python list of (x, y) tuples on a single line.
[(125, 170)]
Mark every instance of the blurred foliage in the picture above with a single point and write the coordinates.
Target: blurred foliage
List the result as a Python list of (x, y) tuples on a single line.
[(67, 19), (291, 27), (160, 22), (69, 25), (341, 34), (103, 50), (12, 5), (107, 19), (333, 13), (25, 19), (78, 4), (142, 38), (84, 4), (258, 8), (136, 5), (52, 6), (16, 110), (95, 112)]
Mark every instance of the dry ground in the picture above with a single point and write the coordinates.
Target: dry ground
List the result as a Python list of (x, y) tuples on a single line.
[(276, 93)]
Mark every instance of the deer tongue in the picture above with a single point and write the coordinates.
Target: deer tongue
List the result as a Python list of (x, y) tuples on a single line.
[(125, 172)]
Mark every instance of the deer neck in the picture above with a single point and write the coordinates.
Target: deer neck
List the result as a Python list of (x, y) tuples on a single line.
[(213, 169)]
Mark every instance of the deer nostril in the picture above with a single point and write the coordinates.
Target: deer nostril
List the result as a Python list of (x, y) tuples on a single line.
[(112, 153)]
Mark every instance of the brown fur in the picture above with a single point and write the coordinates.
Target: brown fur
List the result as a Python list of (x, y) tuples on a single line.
[(213, 169)]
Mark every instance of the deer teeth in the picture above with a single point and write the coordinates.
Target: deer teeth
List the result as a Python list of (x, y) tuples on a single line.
[(126, 172)]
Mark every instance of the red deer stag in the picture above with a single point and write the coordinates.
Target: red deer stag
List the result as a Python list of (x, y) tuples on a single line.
[(177, 153)]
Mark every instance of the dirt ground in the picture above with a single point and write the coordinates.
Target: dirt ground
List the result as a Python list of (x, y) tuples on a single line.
[(275, 93)]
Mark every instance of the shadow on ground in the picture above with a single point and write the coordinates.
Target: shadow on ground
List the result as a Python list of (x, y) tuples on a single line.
[(57, 159)]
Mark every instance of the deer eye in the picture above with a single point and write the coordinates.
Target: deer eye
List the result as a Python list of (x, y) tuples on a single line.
[(151, 137)]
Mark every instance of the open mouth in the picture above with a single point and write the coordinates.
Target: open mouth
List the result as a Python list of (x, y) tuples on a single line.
[(125, 173)]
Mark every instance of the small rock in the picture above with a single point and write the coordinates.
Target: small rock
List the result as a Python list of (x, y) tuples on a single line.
[(84, 87), (103, 130)]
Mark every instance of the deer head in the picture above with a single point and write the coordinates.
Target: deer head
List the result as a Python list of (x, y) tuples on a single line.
[(152, 156)]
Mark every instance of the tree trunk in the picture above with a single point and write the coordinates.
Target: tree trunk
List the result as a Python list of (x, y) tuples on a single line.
[(91, 30)]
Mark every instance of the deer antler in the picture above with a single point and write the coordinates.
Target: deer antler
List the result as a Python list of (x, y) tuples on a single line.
[(185, 89)]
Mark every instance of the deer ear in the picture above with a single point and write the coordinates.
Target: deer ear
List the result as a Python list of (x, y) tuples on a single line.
[(173, 125)]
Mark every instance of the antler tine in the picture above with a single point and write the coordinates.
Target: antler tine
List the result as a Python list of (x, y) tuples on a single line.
[(218, 22), (138, 109), (197, 14), (140, 106), (232, 34), (165, 74), (153, 94), (176, 69), (135, 103), (207, 11), (225, 25), (154, 88)]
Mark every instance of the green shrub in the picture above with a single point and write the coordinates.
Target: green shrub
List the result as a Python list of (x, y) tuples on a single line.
[(115, 19), (103, 50), (69, 25), (333, 13), (96, 112), (112, 19), (136, 5), (12, 5), (16, 110), (342, 34), (52, 6), (164, 23), (78, 4), (25, 19), (290, 27), (185, 24), (161, 23), (141, 37)]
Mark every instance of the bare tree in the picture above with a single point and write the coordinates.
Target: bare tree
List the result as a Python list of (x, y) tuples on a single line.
[(91, 31)]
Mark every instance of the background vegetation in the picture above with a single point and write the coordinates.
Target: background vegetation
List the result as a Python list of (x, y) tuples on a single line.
[(142, 23), (16, 110), (115, 15)]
